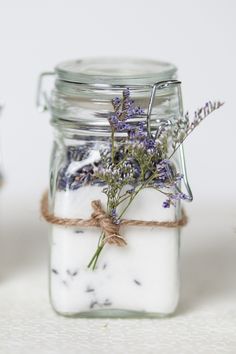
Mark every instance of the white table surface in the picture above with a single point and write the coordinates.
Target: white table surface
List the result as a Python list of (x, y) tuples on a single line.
[(204, 323)]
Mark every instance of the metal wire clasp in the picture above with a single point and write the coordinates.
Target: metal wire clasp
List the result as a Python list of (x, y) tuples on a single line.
[(42, 101), (160, 86)]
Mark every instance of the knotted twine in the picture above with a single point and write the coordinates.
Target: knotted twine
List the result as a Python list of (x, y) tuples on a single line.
[(99, 218)]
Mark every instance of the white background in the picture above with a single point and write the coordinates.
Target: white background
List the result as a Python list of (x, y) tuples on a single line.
[(197, 36)]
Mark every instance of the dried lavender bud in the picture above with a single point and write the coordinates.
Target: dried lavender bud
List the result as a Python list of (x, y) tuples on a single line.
[(107, 302), (54, 271), (79, 231), (72, 273), (89, 289), (92, 304), (185, 126), (166, 203)]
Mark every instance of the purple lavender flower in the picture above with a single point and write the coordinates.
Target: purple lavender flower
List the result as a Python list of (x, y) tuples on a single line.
[(136, 169), (129, 113), (179, 196), (118, 125), (164, 170), (113, 213), (126, 92), (149, 143), (113, 120), (116, 102), (166, 203), (139, 111), (122, 126), (137, 133), (159, 184), (123, 112), (132, 134), (178, 177), (114, 216), (128, 103), (173, 198)]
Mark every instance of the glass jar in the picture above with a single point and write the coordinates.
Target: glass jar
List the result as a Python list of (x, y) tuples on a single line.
[(141, 278), (1, 174)]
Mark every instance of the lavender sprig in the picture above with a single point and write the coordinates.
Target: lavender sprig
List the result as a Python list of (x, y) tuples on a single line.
[(183, 127), (123, 110), (142, 161)]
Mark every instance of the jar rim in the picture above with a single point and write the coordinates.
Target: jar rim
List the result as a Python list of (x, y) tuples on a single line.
[(114, 71)]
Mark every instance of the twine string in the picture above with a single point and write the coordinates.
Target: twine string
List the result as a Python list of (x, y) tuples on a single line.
[(99, 218)]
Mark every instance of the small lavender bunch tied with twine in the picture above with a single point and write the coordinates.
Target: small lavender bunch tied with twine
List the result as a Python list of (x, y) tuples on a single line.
[(140, 159)]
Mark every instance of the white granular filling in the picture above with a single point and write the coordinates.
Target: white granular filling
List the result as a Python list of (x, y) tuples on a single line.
[(142, 276)]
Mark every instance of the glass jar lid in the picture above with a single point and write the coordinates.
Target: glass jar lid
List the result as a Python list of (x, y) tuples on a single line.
[(83, 89), (110, 72)]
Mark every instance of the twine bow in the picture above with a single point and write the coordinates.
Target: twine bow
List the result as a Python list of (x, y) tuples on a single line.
[(110, 229)]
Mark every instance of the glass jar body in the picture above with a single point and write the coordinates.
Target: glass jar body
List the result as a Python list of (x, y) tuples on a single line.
[(1, 174), (139, 279)]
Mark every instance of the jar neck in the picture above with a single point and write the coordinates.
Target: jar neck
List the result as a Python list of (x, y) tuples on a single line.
[(92, 106), (85, 111)]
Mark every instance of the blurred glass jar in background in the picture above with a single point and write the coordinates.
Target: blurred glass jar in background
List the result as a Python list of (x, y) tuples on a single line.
[(142, 278), (1, 173)]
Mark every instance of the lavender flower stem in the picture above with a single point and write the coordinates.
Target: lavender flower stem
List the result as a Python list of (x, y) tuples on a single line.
[(94, 259), (113, 144), (200, 119)]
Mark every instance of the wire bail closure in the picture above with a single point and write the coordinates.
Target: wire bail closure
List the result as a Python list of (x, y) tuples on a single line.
[(42, 101), (157, 87)]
